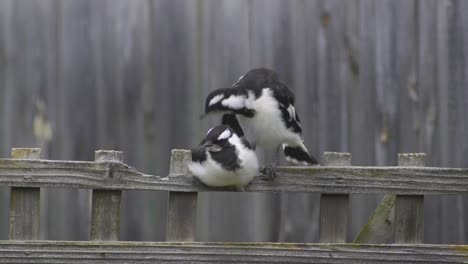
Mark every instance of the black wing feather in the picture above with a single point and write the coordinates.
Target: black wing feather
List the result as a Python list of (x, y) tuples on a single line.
[(231, 120)]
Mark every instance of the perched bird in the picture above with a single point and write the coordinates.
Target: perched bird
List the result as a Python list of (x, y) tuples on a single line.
[(262, 107), (224, 159)]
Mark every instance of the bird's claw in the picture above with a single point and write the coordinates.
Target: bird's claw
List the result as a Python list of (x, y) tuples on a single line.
[(269, 173)]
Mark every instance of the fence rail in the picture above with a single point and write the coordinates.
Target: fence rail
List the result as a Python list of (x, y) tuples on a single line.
[(349, 179), (198, 252), (399, 220)]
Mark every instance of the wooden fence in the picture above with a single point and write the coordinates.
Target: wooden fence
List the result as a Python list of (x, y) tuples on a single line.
[(399, 219)]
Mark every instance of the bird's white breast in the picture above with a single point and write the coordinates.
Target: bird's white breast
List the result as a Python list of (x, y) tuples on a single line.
[(267, 128)]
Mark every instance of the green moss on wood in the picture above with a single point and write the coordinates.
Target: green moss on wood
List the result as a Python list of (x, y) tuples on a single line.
[(380, 221)]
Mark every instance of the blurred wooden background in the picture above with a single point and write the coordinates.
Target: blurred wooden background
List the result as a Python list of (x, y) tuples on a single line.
[(373, 78)]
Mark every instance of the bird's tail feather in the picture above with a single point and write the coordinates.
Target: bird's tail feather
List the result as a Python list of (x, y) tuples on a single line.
[(298, 155)]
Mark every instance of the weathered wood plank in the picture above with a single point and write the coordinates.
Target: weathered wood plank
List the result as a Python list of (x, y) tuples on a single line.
[(105, 211), (380, 228), (24, 203), (182, 211), (334, 207), (193, 252), (371, 180), (409, 213)]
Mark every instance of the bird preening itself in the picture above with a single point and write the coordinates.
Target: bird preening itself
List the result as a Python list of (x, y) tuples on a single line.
[(224, 159), (261, 108)]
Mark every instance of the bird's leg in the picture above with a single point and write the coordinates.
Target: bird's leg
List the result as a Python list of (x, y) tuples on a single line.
[(275, 162), (271, 171)]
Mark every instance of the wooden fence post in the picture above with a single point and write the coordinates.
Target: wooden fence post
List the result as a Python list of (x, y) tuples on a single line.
[(409, 213), (24, 203), (182, 210), (105, 211), (334, 207)]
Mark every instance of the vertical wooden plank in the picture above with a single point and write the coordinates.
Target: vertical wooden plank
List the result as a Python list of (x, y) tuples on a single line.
[(409, 214), (432, 29), (405, 74), (267, 20), (224, 30), (385, 84), (334, 207), (462, 84), (296, 60), (363, 109), (182, 210), (458, 128), (5, 33), (105, 210), (24, 203), (75, 116)]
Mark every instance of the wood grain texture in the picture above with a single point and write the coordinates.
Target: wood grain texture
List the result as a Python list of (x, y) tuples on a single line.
[(192, 252), (409, 219), (182, 210), (24, 203), (381, 227), (115, 175), (105, 215), (105, 210), (334, 207), (409, 213), (182, 216)]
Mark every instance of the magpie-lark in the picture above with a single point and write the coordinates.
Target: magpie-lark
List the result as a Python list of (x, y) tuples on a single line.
[(224, 159), (262, 107)]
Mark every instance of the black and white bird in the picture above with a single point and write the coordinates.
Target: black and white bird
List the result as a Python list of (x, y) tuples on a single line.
[(224, 159), (262, 107)]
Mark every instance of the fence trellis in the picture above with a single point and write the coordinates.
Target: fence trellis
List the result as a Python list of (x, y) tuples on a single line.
[(107, 176)]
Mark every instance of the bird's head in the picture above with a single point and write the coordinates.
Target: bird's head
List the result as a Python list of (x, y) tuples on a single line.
[(217, 138), (213, 102), (257, 77)]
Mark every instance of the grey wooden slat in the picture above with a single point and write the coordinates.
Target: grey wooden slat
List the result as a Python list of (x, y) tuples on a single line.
[(405, 73), (24, 203), (431, 30), (224, 48), (386, 88), (297, 61), (76, 119), (448, 55), (409, 216), (192, 252), (334, 207), (363, 108), (370, 180), (5, 29), (462, 202), (148, 145), (182, 210), (457, 118), (105, 210)]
